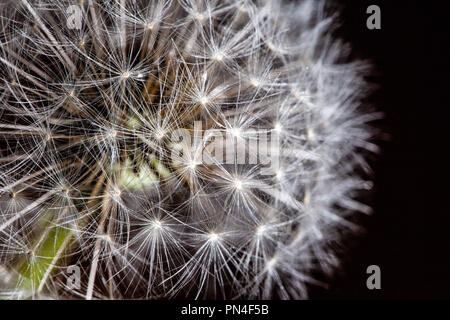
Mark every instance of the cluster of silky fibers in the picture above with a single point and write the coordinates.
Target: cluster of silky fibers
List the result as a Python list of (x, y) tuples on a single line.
[(93, 202)]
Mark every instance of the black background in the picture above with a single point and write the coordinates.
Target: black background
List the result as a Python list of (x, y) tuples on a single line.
[(408, 236)]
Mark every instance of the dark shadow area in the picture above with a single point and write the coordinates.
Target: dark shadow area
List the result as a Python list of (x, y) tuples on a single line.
[(407, 237)]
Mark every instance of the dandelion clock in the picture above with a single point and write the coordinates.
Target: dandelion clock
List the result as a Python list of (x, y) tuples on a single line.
[(177, 148)]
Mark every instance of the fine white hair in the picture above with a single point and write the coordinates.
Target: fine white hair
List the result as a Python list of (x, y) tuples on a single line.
[(87, 176)]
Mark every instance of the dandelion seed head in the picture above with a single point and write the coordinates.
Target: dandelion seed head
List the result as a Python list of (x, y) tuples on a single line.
[(102, 166), (255, 82)]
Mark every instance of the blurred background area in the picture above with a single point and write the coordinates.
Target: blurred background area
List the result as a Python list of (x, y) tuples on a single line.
[(408, 236)]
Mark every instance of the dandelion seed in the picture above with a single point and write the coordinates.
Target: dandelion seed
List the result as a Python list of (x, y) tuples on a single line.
[(271, 263), (107, 238), (243, 9), (218, 56), (235, 132), (157, 224), (213, 237), (200, 17), (204, 100), (160, 134), (116, 193), (126, 75), (277, 128), (260, 230), (112, 134), (193, 165), (279, 175), (255, 82)]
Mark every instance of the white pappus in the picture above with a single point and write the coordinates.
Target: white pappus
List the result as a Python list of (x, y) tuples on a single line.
[(88, 177)]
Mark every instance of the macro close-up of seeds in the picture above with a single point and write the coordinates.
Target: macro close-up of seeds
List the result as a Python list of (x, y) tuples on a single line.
[(178, 149)]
